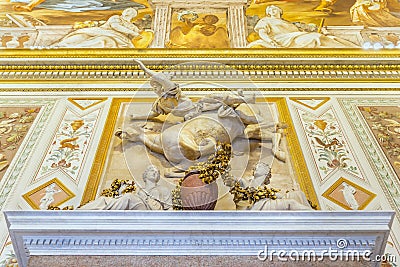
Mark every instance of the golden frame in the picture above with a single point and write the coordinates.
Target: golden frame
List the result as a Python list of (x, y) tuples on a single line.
[(287, 65), (298, 162), (333, 187), (253, 53), (57, 182)]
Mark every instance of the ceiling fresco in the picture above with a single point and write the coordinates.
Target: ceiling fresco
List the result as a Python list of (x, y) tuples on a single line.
[(30, 24)]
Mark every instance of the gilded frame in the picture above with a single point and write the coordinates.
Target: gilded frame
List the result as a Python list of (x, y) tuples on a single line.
[(298, 162), (260, 65), (334, 186), (253, 53), (55, 181)]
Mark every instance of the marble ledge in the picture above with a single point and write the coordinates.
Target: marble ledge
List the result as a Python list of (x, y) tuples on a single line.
[(225, 234)]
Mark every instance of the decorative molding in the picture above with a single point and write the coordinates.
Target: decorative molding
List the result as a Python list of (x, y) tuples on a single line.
[(386, 176), (305, 101), (200, 53), (28, 144), (36, 233), (84, 103), (235, 72)]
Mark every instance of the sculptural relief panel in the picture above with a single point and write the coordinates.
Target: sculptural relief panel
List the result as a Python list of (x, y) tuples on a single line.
[(129, 157)]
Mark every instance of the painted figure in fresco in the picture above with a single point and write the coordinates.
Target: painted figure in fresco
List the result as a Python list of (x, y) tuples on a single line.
[(287, 199), (348, 194), (199, 35), (48, 197), (368, 12), (152, 197), (74, 5), (373, 13), (117, 32), (276, 32), (325, 6)]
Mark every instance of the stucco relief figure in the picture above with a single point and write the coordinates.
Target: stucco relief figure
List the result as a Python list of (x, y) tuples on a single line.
[(48, 197), (152, 196), (373, 13), (276, 32), (170, 98), (283, 199), (203, 125), (198, 35), (348, 194), (117, 32)]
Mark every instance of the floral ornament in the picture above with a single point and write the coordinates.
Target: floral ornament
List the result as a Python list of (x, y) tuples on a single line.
[(176, 196), (68, 147), (326, 138), (252, 194), (321, 124), (10, 260), (114, 190), (216, 164)]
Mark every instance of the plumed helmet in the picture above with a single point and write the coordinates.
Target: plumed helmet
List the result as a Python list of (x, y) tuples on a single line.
[(158, 77)]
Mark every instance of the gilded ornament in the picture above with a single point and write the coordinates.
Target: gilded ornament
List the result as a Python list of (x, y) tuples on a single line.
[(321, 124), (75, 125)]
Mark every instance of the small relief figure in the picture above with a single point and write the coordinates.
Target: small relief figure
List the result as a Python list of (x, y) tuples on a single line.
[(48, 197), (154, 195), (348, 194), (117, 32), (205, 34), (275, 32), (257, 193), (170, 99), (124, 196)]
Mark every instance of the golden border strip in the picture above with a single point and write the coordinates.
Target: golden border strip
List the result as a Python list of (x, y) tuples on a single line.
[(298, 161), (98, 166), (132, 67), (205, 53), (253, 80), (283, 89), (76, 104)]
